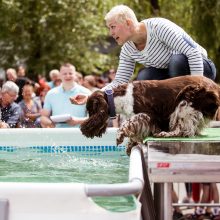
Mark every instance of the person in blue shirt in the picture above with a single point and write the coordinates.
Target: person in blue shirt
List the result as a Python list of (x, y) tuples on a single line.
[(54, 76), (57, 101)]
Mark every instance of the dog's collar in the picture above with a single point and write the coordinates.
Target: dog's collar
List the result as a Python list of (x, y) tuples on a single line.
[(111, 104)]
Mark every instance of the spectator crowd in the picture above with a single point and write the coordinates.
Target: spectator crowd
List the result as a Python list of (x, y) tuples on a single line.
[(25, 103)]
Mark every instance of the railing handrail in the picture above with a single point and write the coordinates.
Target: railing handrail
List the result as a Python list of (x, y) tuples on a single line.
[(134, 186)]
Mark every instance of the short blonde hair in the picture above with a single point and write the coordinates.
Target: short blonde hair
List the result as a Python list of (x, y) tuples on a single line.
[(121, 13), (69, 65)]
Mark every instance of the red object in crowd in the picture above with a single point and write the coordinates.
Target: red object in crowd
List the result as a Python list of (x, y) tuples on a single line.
[(196, 188), (43, 86)]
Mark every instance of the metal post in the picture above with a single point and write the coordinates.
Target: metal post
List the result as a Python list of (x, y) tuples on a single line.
[(168, 201), (158, 200), (4, 205), (163, 201)]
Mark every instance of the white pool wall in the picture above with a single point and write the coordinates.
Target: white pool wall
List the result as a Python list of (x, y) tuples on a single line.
[(63, 201), (26, 137)]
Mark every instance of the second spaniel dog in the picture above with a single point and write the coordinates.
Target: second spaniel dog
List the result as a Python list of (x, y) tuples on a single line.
[(179, 106)]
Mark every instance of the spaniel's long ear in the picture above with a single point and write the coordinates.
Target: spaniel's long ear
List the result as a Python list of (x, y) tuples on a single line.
[(202, 99), (187, 93), (95, 125), (97, 108)]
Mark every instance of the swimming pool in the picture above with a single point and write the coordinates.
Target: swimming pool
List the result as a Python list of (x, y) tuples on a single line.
[(65, 156), (63, 164), (106, 164)]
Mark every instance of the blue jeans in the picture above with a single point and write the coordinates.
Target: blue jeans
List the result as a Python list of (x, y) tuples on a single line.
[(178, 66)]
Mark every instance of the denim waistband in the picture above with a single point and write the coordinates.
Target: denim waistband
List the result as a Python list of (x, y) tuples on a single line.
[(211, 64)]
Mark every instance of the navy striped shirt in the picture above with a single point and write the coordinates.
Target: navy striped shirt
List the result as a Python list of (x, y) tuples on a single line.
[(164, 38)]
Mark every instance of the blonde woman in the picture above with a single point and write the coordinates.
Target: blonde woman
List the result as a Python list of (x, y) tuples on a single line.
[(162, 47)]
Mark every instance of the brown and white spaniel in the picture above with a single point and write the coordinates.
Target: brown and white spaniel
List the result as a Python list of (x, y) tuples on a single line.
[(180, 106)]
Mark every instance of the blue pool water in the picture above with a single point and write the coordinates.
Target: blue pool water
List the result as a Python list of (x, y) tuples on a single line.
[(87, 164)]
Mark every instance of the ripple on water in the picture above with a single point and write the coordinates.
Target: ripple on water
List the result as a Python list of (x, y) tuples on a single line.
[(26, 165)]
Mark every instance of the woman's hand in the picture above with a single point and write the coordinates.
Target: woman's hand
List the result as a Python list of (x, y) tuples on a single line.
[(79, 99)]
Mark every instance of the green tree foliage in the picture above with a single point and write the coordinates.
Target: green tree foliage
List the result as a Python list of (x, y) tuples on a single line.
[(177, 11), (206, 23), (45, 33)]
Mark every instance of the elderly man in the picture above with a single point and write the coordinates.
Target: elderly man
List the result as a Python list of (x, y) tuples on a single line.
[(54, 76), (57, 101), (10, 111)]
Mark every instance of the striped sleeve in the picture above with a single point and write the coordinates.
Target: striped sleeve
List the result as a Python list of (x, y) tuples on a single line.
[(177, 40), (125, 68)]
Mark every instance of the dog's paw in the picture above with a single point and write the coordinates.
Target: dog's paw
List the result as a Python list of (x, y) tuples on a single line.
[(118, 141), (129, 146), (163, 134), (128, 150), (119, 138)]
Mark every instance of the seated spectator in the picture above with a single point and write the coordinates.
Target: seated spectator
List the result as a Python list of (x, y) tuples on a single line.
[(30, 109), (22, 80), (21, 70), (43, 89), (90, 83), (57, 100), (57, 82), (210, 194), (79, 78), (2, 76), (177, 213), (19, 80), (188, 198), (100, 82), (42, 81), (11, 74), (10, 111), (109, 75), (54, 77)]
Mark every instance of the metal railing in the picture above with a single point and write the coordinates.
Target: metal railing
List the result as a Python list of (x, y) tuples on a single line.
[(134, 186)]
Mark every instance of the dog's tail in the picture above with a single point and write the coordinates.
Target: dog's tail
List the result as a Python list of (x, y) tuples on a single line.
[(204, 100)]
